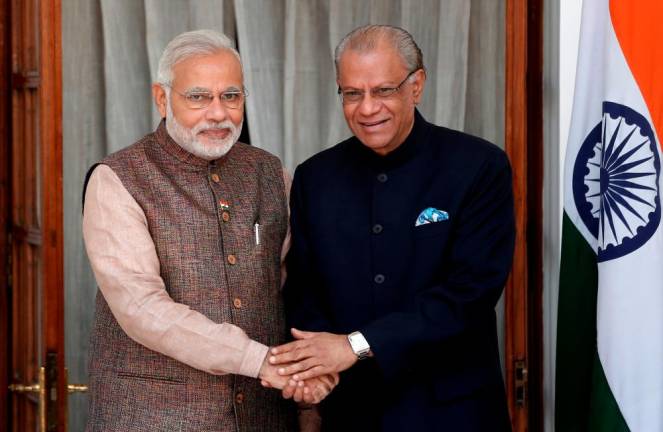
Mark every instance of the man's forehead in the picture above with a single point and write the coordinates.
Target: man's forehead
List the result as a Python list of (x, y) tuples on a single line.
[(380, 63), (221, 69)]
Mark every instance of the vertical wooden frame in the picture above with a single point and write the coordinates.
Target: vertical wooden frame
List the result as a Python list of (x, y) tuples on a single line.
[(5, 199), (524, 145), (515, 303), (535, 174), (50, 118)]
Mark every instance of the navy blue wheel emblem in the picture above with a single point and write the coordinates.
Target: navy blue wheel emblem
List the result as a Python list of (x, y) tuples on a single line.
[(615, 182)]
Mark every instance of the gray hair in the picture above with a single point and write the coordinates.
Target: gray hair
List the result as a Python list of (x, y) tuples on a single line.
[(366, 38), (191, 44)]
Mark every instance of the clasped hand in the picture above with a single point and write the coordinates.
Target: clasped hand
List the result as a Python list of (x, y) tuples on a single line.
[(308, 367), (313, 356), (311, 391)]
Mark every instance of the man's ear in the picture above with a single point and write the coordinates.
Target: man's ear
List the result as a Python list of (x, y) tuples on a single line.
[(418, 85), (160, 99)]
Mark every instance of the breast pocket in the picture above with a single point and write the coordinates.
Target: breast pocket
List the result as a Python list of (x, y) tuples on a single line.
[(433, 229)]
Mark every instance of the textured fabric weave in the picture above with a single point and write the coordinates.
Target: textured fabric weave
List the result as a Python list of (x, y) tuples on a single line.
[(135, 388)]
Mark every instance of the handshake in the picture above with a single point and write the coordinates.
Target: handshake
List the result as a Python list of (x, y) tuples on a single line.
[(307, 369)]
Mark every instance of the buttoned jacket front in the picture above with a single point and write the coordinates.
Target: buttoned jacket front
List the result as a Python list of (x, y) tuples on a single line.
[(423, 296)]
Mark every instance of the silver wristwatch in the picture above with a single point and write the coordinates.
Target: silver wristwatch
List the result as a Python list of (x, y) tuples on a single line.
[(359, 345)]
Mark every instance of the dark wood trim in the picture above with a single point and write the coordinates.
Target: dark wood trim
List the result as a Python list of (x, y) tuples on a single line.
[(524, 145), (535, 213), (515, 143), (5, 199), (50, 127)]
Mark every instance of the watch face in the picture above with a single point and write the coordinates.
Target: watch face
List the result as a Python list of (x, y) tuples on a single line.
[(359, 344)]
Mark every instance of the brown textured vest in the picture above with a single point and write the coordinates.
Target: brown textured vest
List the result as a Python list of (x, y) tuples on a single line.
[(201, 216)]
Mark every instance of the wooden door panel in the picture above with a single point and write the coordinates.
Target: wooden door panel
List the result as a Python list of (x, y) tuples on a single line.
[(35, 163), (5, 209), (25, 217)]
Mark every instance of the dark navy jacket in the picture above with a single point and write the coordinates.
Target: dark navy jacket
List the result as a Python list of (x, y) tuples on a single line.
[(423, 296)]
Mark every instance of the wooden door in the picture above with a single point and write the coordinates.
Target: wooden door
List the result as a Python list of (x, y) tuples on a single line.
[(5, 270), (34, 161), (524, 145)]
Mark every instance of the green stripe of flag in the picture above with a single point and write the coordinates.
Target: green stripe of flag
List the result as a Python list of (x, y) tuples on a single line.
[(576, 330), (604, 411), (584, 401)]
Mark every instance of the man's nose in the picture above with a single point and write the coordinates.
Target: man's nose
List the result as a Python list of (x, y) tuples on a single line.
[(216, 111), (369, 105)]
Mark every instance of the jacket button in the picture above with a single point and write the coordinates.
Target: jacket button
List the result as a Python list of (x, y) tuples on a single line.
[(239, 397), (377, 229), (215, 178), (225, 216), (379, 278), (232, 260), (237, 303), (382, 178)]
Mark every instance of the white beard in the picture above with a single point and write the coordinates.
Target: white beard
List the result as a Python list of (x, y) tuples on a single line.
[(188, 138)]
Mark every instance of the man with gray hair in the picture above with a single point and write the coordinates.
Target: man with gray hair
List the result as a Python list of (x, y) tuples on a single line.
[(185, 230), (402, 240)]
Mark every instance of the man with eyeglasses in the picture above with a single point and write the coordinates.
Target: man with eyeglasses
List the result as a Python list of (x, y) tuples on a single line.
[(402, 240), (185, 230)]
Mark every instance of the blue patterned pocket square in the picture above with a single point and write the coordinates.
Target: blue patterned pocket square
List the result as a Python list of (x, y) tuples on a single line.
[(431, 215)]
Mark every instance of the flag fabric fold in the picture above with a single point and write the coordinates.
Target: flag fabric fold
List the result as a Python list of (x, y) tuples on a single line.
[(609, 370)]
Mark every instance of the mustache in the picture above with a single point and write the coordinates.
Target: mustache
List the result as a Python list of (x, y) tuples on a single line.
[(227, 124)]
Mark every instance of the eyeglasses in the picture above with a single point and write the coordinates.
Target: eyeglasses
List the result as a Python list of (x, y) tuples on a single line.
[(201, 98), (351, 96)]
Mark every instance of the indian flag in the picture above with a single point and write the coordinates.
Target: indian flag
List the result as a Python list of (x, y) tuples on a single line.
[(610, 317)]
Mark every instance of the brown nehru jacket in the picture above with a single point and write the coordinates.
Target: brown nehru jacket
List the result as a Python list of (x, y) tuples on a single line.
[(201, 216)]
